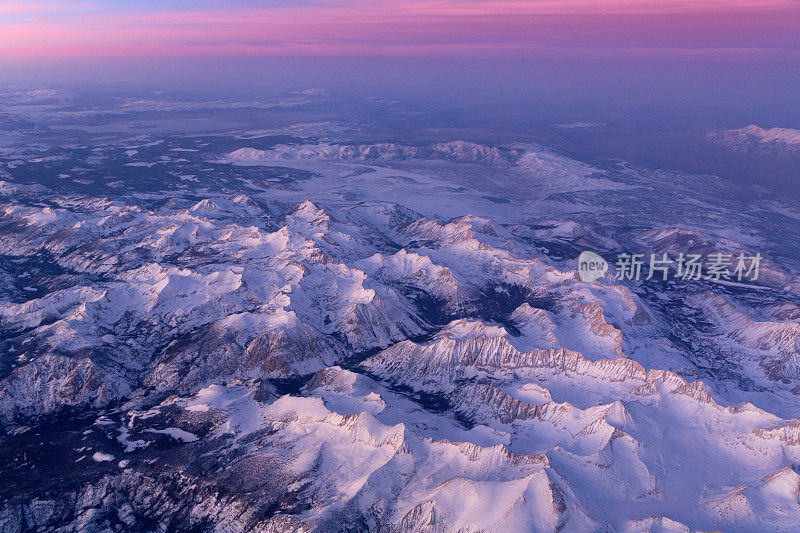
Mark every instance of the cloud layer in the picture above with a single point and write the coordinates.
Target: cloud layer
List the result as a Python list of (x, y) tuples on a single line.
[(426, 28)]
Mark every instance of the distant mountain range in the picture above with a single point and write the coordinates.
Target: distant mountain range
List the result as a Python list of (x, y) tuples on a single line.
[(752, 139)]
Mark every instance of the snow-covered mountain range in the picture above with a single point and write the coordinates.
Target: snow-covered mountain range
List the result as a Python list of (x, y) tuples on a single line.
[(340, 336), (775, 141)]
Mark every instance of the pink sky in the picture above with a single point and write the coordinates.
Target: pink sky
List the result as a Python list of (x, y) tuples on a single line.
[(470, 28)]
